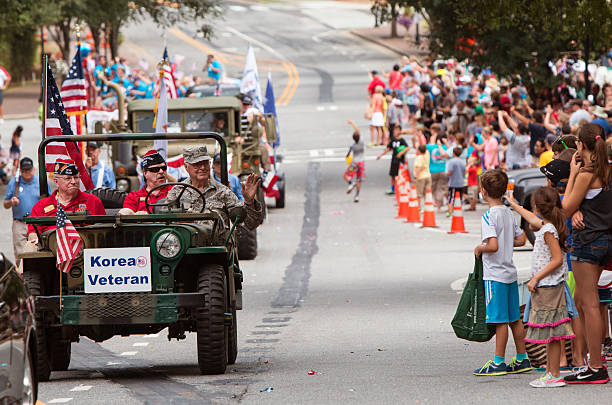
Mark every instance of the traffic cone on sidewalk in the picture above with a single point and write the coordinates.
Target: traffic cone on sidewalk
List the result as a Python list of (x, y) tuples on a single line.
[(404, 201), (399, 181), (429, 216), (413, 207), (457, 226)]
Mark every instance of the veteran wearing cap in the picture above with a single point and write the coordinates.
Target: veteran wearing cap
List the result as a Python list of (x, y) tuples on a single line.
[(101, 174), (155, 172), (74, 201), (219, 198), (22, 193)]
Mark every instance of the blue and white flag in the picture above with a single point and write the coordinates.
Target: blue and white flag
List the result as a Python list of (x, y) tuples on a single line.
[(270, 107), (250, 80)]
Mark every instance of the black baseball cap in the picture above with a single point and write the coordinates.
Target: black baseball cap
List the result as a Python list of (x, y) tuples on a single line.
[(93, 144), (217, 158), (26, 163), (556, 170)]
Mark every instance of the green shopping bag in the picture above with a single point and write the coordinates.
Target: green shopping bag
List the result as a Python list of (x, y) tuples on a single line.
[(469, 322)]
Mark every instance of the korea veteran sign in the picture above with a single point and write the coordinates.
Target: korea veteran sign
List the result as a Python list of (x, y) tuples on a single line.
[(117, 270)]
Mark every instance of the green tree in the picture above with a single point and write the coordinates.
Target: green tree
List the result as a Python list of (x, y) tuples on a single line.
[(518, 37), (389, 10)]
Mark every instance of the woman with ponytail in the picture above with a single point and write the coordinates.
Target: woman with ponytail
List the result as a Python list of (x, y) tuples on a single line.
[(550, 307), (588, 191)]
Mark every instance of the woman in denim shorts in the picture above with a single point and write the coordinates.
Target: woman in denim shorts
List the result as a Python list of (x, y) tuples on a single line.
[(588, 197)]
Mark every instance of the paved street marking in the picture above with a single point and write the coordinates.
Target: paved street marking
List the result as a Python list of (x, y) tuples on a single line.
[(333, 108), (314, 153), (128, 354), (113, 363), (141, 344), (82, 387), (237, 8), (151, 335), (60, 400), (320, 108), (328, 152)]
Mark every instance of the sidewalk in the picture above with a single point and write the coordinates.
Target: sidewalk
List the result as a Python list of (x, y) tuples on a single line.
[(21, 102), (402, 45)]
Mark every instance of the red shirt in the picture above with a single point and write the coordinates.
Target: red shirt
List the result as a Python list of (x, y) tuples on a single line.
[(136, 199), (472, 179), (395, 80), (375, 82), (83, 203)]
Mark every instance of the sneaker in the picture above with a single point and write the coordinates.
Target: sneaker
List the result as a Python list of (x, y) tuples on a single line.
[(516, 367), (588, 376), (490, 368), (548, 381), (356, 199), (351, 186)]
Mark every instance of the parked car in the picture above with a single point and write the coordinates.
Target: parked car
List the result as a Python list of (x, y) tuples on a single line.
[(18, 384)]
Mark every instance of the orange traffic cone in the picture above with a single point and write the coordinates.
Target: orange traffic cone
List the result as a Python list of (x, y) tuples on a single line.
[(404, 201), (457, 226), (413, 207), (399, 181), (406, 173), (429, 217)]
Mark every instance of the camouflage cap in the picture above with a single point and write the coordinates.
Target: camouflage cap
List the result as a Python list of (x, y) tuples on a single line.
[(195, 154)]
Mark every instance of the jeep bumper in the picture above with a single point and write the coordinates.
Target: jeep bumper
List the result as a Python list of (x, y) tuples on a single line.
[(120, 308)]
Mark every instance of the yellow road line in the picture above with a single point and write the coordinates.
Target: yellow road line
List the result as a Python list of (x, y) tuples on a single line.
[(237, 60)]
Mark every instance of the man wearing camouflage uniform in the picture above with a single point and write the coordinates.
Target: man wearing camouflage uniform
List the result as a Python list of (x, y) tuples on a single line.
[(219, 198)]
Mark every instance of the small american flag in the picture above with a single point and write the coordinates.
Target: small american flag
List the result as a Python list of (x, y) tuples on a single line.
[(169, 77), (68, 240), (74, 95), (57, 124)]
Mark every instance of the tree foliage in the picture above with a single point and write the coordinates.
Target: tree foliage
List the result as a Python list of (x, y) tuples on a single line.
[(21, 19), (389, 11), (518, 36)]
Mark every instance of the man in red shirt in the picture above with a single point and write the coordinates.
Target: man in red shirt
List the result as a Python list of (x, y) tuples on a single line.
[(155, 172), (74, 201), (376, 81)]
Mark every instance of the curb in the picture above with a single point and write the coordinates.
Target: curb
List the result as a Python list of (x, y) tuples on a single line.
[(389, 47)]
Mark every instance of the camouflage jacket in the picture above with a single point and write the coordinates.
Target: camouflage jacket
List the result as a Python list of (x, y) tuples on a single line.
[(223, 201)]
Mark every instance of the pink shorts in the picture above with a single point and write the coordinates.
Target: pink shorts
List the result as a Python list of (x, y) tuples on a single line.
[(355, 170)]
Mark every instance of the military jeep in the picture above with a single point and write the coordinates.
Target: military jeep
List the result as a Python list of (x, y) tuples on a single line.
[(137, 274)]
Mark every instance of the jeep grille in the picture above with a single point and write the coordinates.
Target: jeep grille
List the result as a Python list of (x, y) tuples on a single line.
[(118, 305)]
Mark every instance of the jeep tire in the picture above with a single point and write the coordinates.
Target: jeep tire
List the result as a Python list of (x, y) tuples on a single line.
[(247, 242), (33, 281), (280, 201), (232, 343), (110, 197), (60, 350), (212, 332)]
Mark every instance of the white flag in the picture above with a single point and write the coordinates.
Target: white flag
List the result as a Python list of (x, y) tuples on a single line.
[(161, 120), (250, 80)]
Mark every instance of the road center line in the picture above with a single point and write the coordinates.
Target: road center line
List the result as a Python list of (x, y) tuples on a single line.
[(297, 274)]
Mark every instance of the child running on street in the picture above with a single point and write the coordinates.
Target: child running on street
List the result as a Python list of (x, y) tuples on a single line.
[(355, 172), (548, 309), (398, 147), (500, 233)]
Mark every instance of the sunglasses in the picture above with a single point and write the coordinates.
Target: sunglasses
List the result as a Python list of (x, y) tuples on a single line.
[(157, 169)]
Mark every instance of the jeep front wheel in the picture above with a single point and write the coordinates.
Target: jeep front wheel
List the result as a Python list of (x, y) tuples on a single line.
[(33, 281), (232, 344), (210, 320)]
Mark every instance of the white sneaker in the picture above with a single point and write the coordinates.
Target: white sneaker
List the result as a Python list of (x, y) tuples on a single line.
[(356, 199), (548, 381), (351, 186)]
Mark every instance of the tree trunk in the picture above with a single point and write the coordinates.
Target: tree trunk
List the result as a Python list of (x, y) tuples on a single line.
[(65, 45), (587, 51), (96, 33), (113, 39), (393, 21)]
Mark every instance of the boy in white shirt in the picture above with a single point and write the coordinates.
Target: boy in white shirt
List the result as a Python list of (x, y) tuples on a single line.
[(500, 233)]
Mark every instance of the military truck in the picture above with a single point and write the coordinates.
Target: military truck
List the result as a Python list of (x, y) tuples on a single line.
[(137, 274)]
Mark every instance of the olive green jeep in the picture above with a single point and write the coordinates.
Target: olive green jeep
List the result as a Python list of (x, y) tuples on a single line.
[(138, 274)]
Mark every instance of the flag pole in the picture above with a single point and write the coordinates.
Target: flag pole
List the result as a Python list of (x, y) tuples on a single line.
[(45, 67)]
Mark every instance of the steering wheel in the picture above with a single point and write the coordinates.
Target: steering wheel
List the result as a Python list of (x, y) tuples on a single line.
[(184, 187)]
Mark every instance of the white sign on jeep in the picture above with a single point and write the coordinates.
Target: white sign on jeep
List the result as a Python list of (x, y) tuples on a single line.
[(117, 270)]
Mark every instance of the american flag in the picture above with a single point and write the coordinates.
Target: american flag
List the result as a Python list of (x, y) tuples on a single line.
[(169, 76), (57, 124), (68, 240), (74, 94)]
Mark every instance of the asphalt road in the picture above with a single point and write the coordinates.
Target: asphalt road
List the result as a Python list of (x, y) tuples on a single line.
[(342, 289)]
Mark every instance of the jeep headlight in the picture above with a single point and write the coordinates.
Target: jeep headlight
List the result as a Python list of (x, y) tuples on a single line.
[(168, 245), (123, 185)]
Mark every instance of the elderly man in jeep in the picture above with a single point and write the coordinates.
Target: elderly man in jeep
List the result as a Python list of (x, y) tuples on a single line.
[(219, 198)]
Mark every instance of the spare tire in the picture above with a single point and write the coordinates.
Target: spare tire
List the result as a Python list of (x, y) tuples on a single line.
[(110, 197)]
